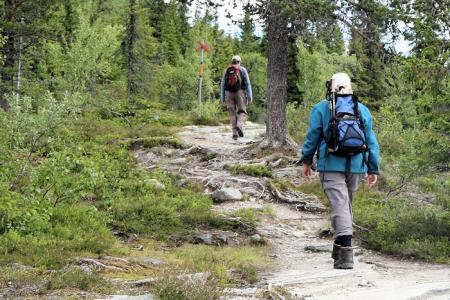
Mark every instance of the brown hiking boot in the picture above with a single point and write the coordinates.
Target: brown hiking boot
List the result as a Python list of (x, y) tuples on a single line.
[(344, 258), (335, 253)]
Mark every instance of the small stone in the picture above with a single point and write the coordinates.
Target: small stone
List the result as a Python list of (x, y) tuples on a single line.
[(149, 261), (256, 239), (365, 283), (155, 183), (222, 238), (85, 269), (227, 194), (178, 161), (358, 252), (205, 238)]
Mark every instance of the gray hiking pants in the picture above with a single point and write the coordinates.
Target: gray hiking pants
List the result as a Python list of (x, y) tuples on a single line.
[(339, 189), (237, 108)]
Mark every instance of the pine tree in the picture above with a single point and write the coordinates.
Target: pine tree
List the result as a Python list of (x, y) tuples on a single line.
[(171, 35), (19, 23), (371, 18), (248, 42), (131, 36)]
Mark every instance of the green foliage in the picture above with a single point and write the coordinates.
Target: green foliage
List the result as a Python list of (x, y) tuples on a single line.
[(158, 212), (154, 141), (178, 85), (208, 113), (250, 170), (245, 260), (70, 277), (402, 226), (297, 121), (88, 59), (316, 67), (78, 279), (52, 237), (171, 35), (256, 65), (174, 287)]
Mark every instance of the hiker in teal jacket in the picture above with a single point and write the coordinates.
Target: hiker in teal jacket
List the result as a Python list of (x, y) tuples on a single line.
[(340, 175), (327, 162)]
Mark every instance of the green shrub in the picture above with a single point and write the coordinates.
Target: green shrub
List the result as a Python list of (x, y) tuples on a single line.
[(78, 279), (401, 226), (297, 121), (154, 141), (250, 170), (57, 237), (207, 113), (157, 213), (218, 260), (174, 287)]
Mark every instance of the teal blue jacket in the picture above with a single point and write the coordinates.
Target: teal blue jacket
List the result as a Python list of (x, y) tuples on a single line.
[(328, 162)]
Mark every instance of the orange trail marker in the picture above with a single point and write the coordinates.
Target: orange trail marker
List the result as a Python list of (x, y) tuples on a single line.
[(202, 47)]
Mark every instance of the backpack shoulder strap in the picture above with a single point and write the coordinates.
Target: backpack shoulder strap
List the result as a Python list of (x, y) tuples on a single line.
[(355, 106)]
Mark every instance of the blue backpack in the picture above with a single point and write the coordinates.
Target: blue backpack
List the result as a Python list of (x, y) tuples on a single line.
[(346, 130)]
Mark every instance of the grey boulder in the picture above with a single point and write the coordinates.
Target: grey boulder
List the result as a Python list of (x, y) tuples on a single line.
[(227, 194)]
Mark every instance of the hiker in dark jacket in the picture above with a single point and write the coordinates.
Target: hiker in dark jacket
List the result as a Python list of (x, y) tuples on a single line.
[(340, 174), (236, 94)]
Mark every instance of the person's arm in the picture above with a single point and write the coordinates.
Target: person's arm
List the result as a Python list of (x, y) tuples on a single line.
[(312, 140), (373, 161), (248, 85), (222, 87)]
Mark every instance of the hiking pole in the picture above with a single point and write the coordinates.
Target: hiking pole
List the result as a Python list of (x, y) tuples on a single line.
[(202, 47)]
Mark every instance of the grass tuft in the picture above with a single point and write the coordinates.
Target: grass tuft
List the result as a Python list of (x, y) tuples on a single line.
[(250, 170)]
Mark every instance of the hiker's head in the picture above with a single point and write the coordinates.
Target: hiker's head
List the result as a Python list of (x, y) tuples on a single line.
[(236, 60), (341, 84)]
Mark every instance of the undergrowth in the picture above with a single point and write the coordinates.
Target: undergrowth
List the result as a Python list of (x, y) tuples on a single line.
[(250, 170)]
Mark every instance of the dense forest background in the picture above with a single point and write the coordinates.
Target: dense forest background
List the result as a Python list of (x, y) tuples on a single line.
[(82, 82)]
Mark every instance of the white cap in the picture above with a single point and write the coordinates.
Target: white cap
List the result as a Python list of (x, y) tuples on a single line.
[(341, 84), (236, 58)]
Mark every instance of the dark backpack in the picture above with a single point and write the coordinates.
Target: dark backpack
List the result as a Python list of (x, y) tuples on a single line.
[(233, 79), (346, 129)]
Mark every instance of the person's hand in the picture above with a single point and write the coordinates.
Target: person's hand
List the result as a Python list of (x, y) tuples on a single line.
[(372, 179), (307, 170), (249, 101)]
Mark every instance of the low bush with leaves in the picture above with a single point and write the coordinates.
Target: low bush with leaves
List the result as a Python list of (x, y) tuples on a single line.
[(208, 113), (403, 226)]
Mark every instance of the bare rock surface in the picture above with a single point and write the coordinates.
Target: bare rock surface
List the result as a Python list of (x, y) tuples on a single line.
[(302, 263), (227, 194)]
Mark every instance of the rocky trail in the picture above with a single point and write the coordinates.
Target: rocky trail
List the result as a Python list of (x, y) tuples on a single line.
[(302, 266)]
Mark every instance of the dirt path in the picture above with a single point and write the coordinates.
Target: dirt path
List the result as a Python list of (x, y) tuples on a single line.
[(294, 227)]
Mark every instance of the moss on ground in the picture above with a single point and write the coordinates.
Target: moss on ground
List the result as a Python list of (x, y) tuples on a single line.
[(250, 170)]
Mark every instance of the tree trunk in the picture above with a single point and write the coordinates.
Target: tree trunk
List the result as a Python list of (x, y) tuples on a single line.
[(276, 129), (131, 38)]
